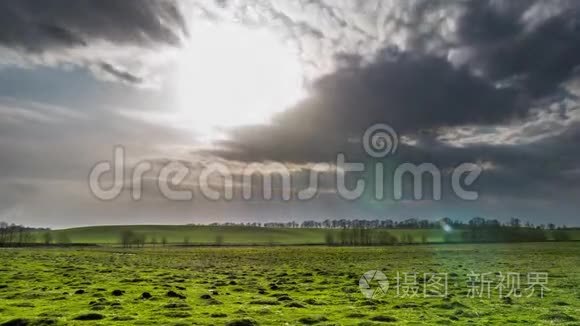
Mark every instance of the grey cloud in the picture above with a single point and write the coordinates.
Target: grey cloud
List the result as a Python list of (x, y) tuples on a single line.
[(531, 44), (116, 36), (515, 41), (123, 75), (40, 141), (38, 26), (422, 66), (442, 64), (412, 93)]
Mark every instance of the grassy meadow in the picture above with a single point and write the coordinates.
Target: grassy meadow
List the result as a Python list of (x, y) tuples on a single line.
[(290, 285)]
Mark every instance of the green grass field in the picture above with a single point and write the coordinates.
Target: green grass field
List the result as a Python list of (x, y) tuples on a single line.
[(234, 234), (281, 285)]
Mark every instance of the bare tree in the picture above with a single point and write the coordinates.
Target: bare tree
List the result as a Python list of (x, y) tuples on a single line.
[(3, 233), (62, 238), (219, 240), (47, 238), (127, 238)]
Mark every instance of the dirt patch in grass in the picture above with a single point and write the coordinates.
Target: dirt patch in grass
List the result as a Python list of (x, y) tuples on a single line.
[(384, 318), (89, 316), (242, 322), (312, 320)]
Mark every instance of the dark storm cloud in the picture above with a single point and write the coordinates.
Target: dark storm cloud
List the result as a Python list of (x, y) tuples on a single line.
[(412, 93), (409, 92), (500, 62), (38, 26), (534, 44), (502, 59), (544, 170)]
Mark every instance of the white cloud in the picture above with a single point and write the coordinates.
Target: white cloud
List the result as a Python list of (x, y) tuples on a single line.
[(542, 123)]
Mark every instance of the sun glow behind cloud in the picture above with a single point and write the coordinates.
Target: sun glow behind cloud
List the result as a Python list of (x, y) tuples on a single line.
[(230, 75)]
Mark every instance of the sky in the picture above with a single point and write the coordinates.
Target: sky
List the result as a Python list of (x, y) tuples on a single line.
[(285, 83)]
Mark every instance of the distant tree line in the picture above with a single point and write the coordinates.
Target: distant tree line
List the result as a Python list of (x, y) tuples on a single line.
[(411, 223), (131, 239), (340, 232), (476, 230), (354, 232), (361, 237), (12, 235)]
